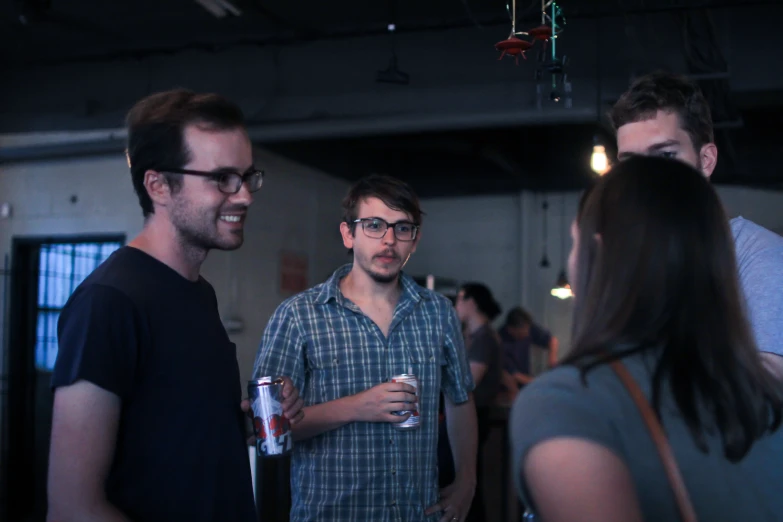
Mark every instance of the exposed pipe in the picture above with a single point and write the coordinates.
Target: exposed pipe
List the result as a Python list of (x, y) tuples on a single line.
[(60, 151), (319, 129)]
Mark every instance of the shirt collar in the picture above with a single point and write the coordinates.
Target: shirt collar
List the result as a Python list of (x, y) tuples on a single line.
[(331, 288)]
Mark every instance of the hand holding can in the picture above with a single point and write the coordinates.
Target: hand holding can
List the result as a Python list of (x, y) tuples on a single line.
[(271, 427), (412, 422)]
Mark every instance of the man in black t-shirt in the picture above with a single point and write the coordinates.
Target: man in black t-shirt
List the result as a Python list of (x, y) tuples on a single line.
[(518, 334), (147, 423)]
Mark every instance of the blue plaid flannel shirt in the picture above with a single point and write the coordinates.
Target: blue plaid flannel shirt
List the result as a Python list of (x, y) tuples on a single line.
[(366, 472)]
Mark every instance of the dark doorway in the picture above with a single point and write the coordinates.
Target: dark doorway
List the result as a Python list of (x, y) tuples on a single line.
[(44, 273)]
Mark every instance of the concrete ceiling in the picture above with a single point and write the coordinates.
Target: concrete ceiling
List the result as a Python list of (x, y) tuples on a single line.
[(57, 31), (304, 72)]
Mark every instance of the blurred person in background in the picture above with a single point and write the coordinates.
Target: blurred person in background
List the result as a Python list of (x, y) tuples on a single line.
[(476, 308), (518, 334)]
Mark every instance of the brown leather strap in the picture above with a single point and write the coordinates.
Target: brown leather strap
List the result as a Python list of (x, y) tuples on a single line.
[(687, 512)]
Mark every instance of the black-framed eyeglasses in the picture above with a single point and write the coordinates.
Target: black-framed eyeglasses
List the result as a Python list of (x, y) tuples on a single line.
[(376, 228), (227, 181)]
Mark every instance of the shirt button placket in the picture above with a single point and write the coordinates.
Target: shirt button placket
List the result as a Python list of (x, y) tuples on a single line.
[(395, 489)]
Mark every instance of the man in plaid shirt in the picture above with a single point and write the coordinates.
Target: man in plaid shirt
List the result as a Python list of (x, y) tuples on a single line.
[(340, 342)]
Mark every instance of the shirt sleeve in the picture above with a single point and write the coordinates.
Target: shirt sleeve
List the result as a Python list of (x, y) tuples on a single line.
[(98, 335), (540, 336), (556, 405), (762, 280), (480, 350), (281, 351), (456, 377)]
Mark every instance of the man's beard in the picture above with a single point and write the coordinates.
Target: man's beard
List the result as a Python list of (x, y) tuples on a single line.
[(383, 278), (197, 234)]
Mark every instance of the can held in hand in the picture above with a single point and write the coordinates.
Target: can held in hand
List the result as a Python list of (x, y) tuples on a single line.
[(271, 427), (412, 422)]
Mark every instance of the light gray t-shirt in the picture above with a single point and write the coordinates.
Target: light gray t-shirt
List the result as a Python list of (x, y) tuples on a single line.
[(558, 405), (760, 264)]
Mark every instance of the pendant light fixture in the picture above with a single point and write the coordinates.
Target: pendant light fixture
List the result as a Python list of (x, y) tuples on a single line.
[(599, 161), (544, 263), (562, 289)]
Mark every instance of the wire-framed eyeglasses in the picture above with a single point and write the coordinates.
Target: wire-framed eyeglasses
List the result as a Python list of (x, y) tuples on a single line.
[(376, 228), (227, 181)]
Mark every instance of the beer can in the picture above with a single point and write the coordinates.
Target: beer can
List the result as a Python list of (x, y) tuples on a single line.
[(412, 422), (271, 427)]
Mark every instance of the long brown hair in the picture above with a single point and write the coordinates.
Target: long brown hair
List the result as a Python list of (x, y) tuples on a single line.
[(656, 270)]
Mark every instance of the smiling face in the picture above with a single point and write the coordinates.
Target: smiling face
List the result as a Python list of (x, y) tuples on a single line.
[(663, 135), (382, 259), (204, 217)]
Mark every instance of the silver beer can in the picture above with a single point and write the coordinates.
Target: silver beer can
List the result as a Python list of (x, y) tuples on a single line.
[(412, 422), (271, 427)]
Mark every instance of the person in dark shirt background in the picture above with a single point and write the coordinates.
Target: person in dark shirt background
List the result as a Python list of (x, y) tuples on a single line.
[(518, 334), (477, 308)]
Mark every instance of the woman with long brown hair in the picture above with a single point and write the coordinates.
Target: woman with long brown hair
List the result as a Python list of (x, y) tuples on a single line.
[(656, 290)]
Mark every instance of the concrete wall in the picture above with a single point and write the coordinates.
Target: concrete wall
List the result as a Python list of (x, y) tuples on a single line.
[(297, 210), (500, 241)]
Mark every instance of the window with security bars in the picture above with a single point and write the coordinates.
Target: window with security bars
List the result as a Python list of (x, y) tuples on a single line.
[(62, 267)]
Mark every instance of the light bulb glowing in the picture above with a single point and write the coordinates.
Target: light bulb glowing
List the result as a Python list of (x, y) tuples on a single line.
[(562, 293), (598, 161), (562, 290)]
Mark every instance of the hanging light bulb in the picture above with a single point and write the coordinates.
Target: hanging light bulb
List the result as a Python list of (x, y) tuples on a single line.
[(562, 290), (598, 161)]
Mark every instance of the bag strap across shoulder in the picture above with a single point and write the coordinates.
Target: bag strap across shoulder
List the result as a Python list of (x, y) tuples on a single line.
[(687, 512)]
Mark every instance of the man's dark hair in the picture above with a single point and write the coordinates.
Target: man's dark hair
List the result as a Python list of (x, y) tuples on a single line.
[(156, 129), (668, 92), (518, 317), (482, 296), (395, 193)]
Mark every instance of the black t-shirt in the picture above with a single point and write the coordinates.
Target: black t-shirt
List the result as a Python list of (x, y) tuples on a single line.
[(140, 330), (485, 348)]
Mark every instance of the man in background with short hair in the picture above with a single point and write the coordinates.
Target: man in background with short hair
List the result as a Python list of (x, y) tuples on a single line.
[(518, 334), (665, 114)]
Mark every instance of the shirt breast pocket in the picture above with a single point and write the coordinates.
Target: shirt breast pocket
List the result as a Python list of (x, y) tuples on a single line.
[(328, 350), (333, 365), (427, 363)]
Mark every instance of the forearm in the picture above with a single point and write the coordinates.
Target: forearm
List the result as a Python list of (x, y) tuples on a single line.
[(553, 348), (523, 378), (324, 417), (508, 380), (462, 427)]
